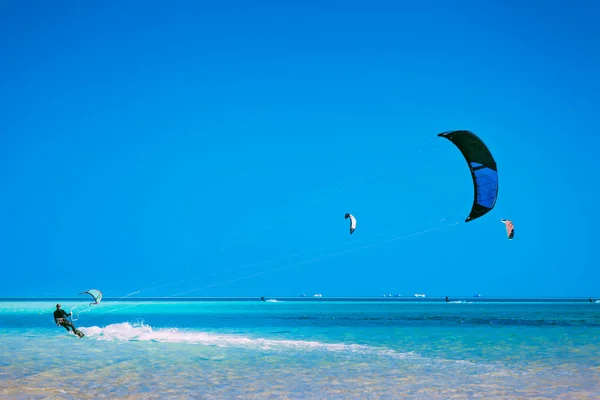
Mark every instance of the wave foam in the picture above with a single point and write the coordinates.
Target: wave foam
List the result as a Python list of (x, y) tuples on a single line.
[(141, 332)]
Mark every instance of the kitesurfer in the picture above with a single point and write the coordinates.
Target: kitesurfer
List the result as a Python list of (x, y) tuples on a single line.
[(60, 318)]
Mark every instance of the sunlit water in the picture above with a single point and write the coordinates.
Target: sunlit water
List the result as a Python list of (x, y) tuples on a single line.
[(310, 349)]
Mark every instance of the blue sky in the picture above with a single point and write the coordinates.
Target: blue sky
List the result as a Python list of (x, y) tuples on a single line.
[(146, 141)]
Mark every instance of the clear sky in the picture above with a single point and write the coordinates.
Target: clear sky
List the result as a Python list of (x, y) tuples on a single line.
[(162, 141)]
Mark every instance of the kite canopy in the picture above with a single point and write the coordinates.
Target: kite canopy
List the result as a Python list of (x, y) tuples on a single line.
[(483, 170), (96, 294), (352, 222), (510, 228)]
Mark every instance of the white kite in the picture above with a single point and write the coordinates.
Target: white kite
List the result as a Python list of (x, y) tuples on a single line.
[(352, 222)]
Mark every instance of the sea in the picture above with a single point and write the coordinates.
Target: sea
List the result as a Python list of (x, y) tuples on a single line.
[(302, 348)]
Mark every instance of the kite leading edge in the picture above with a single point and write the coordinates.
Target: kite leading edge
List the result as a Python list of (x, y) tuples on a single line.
[(352, 222)]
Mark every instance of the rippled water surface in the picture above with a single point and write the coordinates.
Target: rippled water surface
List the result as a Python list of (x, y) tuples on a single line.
[(309, 349)]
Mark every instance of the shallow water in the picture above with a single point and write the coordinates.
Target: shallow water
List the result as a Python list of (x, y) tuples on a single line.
[(311, 349)]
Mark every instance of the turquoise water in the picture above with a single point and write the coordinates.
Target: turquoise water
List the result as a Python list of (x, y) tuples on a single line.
[(301, 349)]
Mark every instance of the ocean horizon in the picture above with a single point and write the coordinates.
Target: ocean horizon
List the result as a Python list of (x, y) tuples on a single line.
[(392, 298)]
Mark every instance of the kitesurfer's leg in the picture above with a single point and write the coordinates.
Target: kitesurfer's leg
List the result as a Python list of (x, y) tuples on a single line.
[(75, 330), (64, 324), (68, 326)]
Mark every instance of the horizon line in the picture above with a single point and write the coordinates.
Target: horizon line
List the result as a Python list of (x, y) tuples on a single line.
[(472, 297)]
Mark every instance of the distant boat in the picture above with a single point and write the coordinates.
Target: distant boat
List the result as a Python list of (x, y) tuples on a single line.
[(477, 295), (318, 295), (419, 295), (302, 295)]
